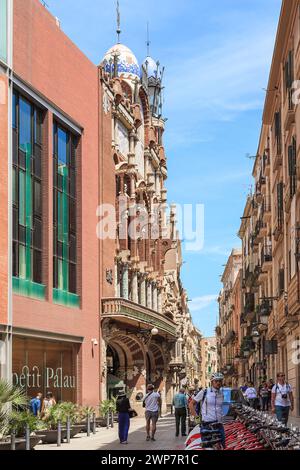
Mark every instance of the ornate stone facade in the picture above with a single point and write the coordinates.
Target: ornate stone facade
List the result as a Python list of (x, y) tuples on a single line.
[(146, 324)]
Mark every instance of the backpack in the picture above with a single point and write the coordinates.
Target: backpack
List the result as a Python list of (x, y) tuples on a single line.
[(144, 401), (199, 404)]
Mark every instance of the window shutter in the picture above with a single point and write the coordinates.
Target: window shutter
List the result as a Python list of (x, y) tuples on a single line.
[(294, 152), (290, 160)]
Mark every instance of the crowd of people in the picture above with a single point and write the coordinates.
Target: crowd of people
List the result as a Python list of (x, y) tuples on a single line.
[(269, 396), (207, 405)]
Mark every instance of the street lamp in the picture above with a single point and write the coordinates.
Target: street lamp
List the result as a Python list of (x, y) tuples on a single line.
[(255, 336)]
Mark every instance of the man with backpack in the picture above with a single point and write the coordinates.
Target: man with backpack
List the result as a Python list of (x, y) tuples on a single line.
[(211, 400), (282, 399), (152, 404)]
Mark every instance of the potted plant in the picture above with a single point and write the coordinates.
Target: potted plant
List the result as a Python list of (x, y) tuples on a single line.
[(11, 398), (52, 417), (107, 409), (19, 420)]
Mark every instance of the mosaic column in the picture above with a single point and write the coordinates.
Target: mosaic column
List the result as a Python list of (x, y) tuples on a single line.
[(143, 291), (125, 280), (154, 297), (117, 281), (159, 301), (135, 297), (149, 294)]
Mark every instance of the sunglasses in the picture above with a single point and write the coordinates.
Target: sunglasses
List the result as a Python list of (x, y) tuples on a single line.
[(281, 375)]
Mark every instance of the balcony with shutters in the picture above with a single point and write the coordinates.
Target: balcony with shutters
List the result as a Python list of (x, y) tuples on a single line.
[(278, 229), (229, 338), (249, 309), (289, 106), (266, 258), (267, 209), (266, 167)]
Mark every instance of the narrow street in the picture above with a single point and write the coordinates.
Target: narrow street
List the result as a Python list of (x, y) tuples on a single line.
[(107, 439)]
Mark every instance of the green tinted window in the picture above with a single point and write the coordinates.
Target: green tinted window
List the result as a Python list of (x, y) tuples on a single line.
[(3, 30)]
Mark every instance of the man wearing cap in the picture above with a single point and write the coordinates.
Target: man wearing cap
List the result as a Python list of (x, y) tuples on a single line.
[(152, 404), (211, 400)]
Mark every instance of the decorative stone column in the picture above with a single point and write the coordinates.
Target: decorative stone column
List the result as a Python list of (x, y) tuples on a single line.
[(154, 297), (159, 301), (117, 281), (149, 294), (143, 291), (125, 280), (157, 188), (135, 297)]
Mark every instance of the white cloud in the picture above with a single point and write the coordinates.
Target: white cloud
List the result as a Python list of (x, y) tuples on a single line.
[(201, 303), (220, 81)]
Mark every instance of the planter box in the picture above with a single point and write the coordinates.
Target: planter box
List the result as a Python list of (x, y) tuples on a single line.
[(21, 443), (77, 429), (50, 436)]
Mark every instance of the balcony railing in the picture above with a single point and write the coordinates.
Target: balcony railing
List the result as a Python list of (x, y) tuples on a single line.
[(116, 308), (266, 254), (229, 338)]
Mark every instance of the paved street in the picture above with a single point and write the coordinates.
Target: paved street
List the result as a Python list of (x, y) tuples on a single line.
[(108, 439)]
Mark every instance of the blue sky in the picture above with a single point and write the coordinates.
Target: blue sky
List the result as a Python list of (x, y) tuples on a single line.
[(217, 55)]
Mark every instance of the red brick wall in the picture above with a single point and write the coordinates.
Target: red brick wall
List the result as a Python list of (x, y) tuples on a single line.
[(3, 199), (46, 58), (107, 195)]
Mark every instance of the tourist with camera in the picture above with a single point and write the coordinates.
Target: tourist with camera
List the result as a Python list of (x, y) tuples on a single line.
[(282, 399)]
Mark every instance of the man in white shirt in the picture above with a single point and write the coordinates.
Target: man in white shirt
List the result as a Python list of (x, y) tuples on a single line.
[(282, 399), (251, 395), (212, 400), (151, 403)]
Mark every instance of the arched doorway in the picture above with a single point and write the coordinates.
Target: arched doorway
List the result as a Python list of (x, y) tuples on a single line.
[(115, 383)]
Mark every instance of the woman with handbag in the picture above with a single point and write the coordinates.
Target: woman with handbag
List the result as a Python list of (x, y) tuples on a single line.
[(124, 410)]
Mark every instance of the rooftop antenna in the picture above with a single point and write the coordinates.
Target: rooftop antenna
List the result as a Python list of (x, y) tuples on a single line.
[(118, 21), (148, 40)]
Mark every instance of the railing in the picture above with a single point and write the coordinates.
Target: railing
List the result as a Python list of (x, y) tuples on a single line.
[(266, 254), (117, 307), (229, 338)]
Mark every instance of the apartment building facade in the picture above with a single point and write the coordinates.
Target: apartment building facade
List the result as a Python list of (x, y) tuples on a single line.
[(269, 325)]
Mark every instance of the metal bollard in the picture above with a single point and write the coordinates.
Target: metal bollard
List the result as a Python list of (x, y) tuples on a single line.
[(88, 425), (94, 423), (13, 440), (107, 421), (68, 430), (27, 437), (59, 433)]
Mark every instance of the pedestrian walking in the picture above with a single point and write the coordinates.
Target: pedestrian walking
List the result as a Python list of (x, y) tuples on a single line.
[(211, 401), (152, 404), (48, 402), (180, 403), (282, 399), (123, 408), (36, 404), (264, 395), (251, 395), (270, 386)]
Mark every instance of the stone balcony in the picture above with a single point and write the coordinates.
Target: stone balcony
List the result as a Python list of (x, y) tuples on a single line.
[(138, 315)]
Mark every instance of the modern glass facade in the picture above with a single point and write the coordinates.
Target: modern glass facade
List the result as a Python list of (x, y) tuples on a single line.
[(64, 217), (3, 30), (27, 198)]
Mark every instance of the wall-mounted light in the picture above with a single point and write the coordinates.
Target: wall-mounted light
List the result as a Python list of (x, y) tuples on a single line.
[(94, 342)]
